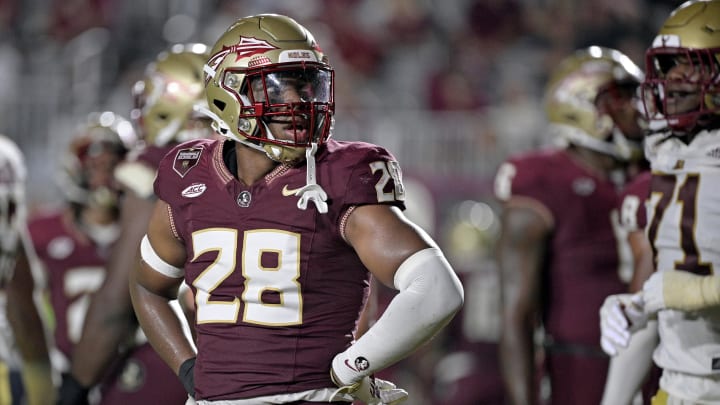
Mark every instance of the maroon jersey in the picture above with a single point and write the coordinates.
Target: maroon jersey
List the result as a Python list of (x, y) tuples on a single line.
[(75, 267), (152, 155), (633, 216), (142, 377), (582, 258), (137, 173), (278, 290)]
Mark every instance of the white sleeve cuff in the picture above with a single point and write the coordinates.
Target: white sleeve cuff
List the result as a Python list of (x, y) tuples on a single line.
[(156, 262), (430, 295)]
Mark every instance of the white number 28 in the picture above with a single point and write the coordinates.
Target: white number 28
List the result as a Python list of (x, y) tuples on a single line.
[(282, 279)]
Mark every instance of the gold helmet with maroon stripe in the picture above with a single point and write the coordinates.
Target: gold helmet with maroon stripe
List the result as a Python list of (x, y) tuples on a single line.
[(590, 101), (168, 96), (268, 71)]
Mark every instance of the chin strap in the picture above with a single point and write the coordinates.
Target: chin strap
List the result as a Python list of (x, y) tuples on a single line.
[(221, 127), (312, 191)]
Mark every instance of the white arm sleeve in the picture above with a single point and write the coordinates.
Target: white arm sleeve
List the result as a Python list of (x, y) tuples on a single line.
[(430, 295), (628, 369)]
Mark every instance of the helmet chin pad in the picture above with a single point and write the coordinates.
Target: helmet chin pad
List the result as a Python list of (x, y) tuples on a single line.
[(284, 154)]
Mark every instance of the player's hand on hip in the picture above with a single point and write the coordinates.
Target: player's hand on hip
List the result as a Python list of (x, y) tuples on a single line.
[(370, 391)]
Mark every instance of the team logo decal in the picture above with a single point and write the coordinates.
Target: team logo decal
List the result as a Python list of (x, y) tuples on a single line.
[(583, 186), (714, 153), (286, 192), (362, 364), (132, 377), (186, 159), (248, 47), (244, 198), (194, 190), (245, 48)]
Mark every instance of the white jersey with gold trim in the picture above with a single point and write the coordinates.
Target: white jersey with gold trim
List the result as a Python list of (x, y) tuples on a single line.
[(684, 228)]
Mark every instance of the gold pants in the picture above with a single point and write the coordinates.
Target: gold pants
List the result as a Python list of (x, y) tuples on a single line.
[(5, 391), (660, 398)]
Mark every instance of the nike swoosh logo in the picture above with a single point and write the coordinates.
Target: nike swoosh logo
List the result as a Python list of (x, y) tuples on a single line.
[(288, 192), (347, 363)]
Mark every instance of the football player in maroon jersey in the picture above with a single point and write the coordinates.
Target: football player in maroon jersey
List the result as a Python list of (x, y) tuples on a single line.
[(164, 115), (72, 244), (619, 388), (558, 249), (18, 309), (277, 231)]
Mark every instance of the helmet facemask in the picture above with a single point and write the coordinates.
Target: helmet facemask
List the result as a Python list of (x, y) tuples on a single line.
[(284, 108), (87, 177), (682, 88), (681, 91), (628, 123)]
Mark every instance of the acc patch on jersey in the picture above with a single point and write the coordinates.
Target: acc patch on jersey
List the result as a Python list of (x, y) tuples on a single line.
[(186, 159)]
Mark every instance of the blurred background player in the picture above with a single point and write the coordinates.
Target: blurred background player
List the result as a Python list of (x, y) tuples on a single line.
[(25, 372), (633, 220), (72, 243), (558, 248), (680, 93), (164, 114)]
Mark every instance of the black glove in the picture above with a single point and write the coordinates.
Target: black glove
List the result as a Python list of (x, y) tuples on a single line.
[(187, 376), (71, 392)]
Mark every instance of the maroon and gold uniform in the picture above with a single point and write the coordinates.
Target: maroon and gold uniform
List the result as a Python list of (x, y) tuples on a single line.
[(581, 265), (633, 214), (283, 274), (75, 268)]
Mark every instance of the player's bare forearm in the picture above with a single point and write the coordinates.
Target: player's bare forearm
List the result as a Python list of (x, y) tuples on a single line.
[(151, 294), (110, 319), (521, 249), (23, 314), (642, 258), (107, 325), (517, 365), (517, 354)]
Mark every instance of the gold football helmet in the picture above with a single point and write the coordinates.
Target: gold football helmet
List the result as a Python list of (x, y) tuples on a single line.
[(169, 95), (590, 101), (270, 87), (682, 87)]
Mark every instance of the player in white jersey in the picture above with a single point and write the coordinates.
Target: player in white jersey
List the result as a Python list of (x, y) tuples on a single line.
[(682, 96), (23, 349)]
